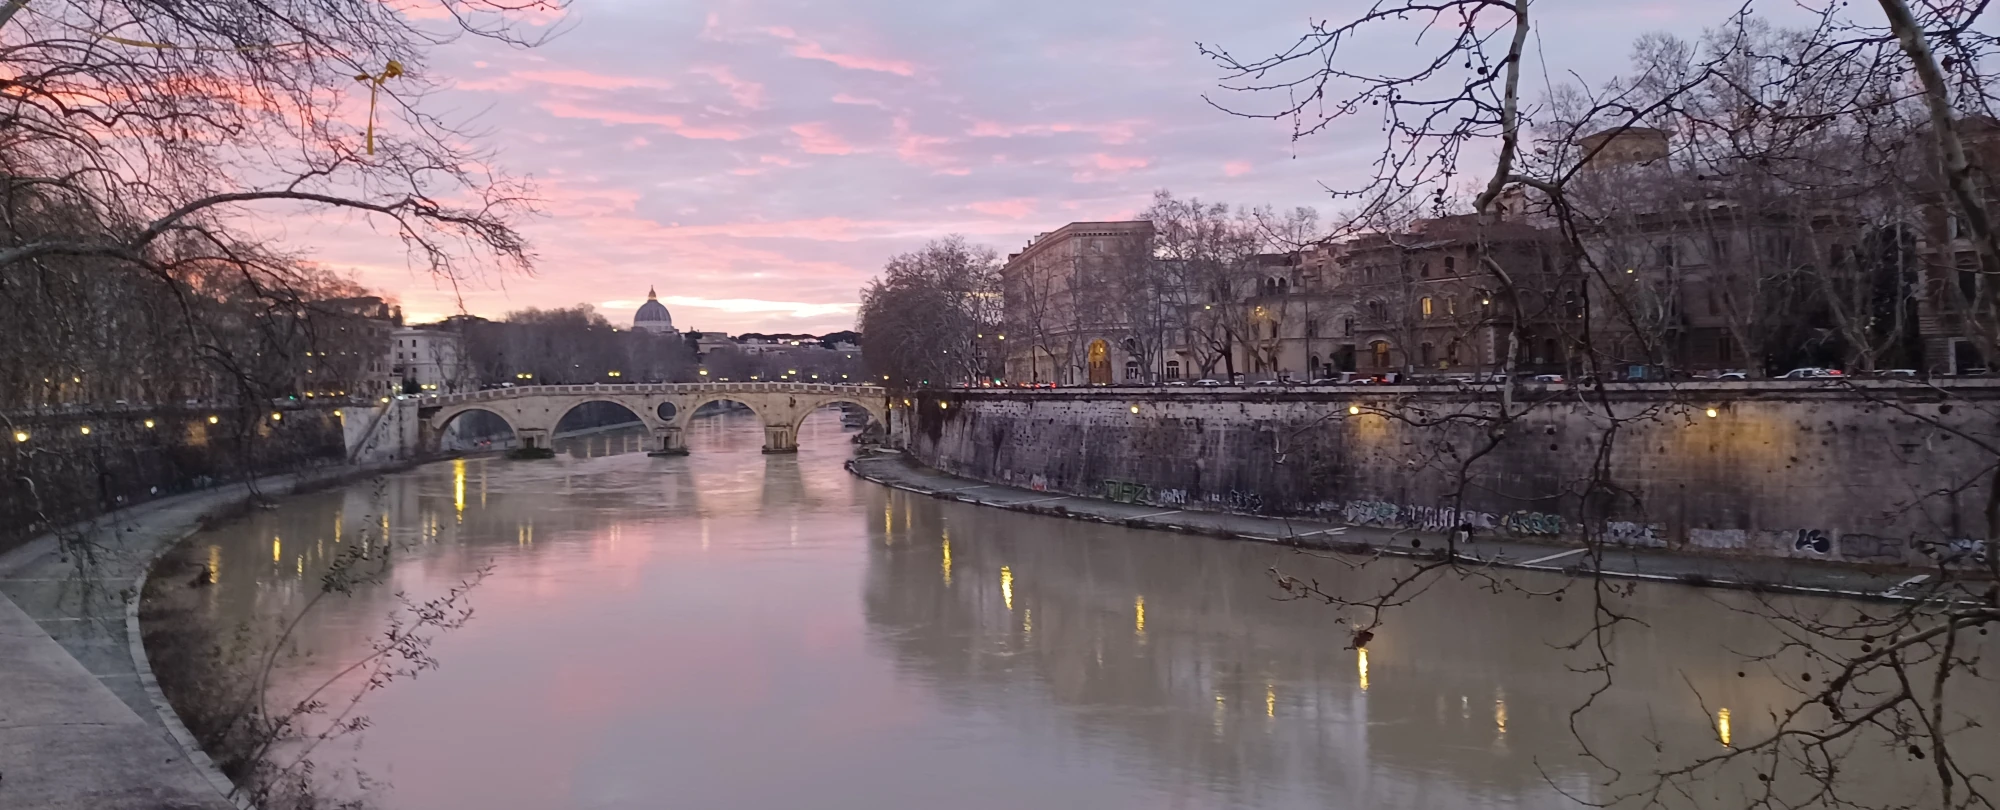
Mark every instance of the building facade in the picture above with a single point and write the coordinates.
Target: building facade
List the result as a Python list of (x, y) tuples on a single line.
[(1071, 298), (431, 361)]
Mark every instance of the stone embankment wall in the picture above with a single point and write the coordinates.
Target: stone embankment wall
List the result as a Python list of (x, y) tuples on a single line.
[(1890, 473)]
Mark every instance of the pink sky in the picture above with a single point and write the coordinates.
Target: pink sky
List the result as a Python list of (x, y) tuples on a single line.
[(758, 160)]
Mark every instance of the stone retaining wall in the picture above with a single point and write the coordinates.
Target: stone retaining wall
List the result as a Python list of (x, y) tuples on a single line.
[(1888, 473)]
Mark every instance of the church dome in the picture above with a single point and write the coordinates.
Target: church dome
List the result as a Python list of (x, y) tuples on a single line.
[(653, 315)]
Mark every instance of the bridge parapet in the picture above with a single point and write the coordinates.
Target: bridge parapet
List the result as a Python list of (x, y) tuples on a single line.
[(533, 410)]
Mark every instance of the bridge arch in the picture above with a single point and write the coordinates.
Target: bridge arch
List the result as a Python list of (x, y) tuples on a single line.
[(640, 410), (877, 410), (440, 425)]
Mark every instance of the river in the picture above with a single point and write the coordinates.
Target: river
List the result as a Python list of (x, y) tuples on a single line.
[(730, 629)]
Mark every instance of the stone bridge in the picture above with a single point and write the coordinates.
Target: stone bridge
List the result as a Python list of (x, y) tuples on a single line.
[(533, 411)]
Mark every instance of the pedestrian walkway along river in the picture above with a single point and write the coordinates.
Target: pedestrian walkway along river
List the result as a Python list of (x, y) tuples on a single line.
[(730, 629)]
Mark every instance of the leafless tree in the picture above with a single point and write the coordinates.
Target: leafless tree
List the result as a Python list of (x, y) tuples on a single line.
[(1758, 116)]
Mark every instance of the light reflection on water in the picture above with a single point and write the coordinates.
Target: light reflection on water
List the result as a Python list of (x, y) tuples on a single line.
[(731, 629)]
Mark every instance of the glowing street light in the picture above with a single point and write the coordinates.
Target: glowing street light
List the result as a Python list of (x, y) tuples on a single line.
[(20, 435), (703, 372), (149, 424), (1712, 413), (212, 419), (1353, 410), (277, 417), (85, 429)]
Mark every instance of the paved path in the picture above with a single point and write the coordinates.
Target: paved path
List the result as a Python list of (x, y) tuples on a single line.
[(1798, 576), (79, 727)]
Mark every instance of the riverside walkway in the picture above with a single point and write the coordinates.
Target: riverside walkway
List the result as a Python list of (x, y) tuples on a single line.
[(1781, 575), (82, 724)]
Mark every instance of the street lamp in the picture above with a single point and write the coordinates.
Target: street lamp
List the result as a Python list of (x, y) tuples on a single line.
[(85, 429), (149, 424), (20, 435), (212, 419), (277, 417), (703, 372)]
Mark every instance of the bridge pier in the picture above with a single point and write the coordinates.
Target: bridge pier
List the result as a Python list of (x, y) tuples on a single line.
[(667, 441), (780, 439)]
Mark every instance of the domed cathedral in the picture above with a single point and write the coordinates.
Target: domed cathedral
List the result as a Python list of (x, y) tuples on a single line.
[(653, 316)]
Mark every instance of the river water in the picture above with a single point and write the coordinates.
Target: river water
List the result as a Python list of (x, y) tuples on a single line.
[(731, 629)]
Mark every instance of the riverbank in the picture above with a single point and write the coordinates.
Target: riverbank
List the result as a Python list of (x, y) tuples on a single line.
[(1774, 575), (82, 722)]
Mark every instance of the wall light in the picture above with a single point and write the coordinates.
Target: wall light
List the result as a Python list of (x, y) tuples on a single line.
[(20, 435), (1353, 410), (1712, 413), (1135, 409), (214, 419), (85, 429), (277, 417), (149, 424), (943, 405)]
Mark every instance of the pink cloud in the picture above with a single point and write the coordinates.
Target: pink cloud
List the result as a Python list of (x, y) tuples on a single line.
[(1099, 166), (518, 79), (807, 49), (748, 94), (1110, 132), (843, 98), (1236, 168), (918, 149), (1116, 164), (670, 123), (1015, 208), (816, 139)]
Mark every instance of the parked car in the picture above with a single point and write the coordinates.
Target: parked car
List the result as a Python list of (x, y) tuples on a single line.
[(1178, 383), (1810, 373), (1267, 382), (1896, 372), (1553, 379), (1732, 375), (1207, 383), (1326, 381)]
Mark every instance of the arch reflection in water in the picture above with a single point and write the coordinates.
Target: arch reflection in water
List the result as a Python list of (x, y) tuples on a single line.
[(734, 629)]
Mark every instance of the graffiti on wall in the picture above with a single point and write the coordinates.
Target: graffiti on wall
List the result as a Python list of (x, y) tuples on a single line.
[(1958, 550), (1627, 533), (1130, 492), (1445, 518)]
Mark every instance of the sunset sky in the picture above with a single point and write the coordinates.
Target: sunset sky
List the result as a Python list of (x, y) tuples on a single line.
[(758, 160)]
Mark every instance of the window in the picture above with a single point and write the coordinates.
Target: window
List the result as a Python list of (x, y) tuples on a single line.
[(1426, 306), (1451, 305), (1725, 349), (1663, 255), (1952, 230), (1380, 349), (1424, 269), (1131, 369), (1317, 372), (1718, 249), (1451, 352), (1173, 369), (1426, 354), (1347, 327), (1450, 265), (1549, 350), (1274, 330), (1377, 312), (1312, 328)]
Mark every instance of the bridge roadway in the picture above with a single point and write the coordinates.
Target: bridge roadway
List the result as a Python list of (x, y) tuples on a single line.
[(665, 408)]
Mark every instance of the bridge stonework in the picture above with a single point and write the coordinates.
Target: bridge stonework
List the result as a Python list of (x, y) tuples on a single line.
[(533, 411)]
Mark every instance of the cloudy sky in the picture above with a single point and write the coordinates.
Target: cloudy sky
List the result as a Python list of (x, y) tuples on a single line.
[(758, 160)]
